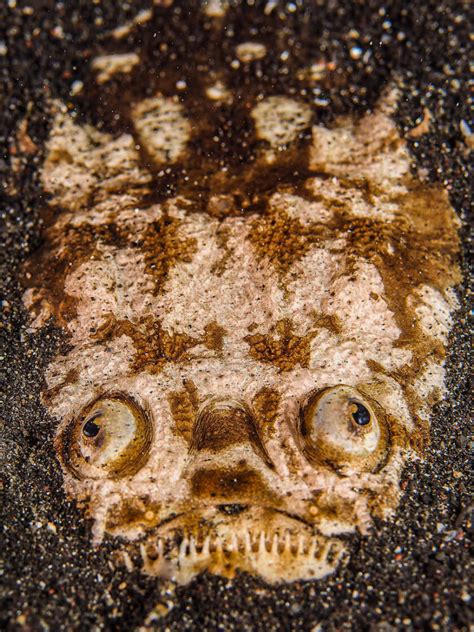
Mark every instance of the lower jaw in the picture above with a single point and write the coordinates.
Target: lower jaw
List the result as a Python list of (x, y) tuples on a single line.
[(258, 541)]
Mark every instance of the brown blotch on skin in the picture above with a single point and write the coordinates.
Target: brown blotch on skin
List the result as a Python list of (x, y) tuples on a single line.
[(265, 407), (331, 322), (184, 412), (284, 239), (421, 254), (133, 513), (153, 345), (281, 347), (175, 345), (162, 248), (222, 238), (239, 485), (433, 237), (366, 237), (214, 337)]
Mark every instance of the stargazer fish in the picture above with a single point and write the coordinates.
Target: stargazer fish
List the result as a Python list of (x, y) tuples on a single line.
[(256, 303)]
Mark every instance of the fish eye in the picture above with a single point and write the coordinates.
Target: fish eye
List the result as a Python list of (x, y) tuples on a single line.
[(110, 438), (344, 429), (90, 427), (360, 414)]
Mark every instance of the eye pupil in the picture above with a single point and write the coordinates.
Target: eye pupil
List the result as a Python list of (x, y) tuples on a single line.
[(90, 428), (361, 415)]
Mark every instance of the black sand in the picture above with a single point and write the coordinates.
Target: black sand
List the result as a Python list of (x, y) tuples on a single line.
[(412, 574)]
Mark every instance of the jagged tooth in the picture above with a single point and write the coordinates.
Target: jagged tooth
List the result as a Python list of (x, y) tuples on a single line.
[(183, 547), (192, 547), (247, 542), (301, 541), (325, 550), (313, 547), (262, 543), (206, 545), (275, 542)]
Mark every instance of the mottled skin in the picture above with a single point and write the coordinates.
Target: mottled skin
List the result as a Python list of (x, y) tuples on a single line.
[(204, 329)]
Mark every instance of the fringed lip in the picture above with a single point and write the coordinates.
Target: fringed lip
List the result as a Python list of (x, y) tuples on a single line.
[(261, 541)]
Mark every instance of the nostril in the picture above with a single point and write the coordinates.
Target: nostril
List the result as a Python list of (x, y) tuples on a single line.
[(233, 509)]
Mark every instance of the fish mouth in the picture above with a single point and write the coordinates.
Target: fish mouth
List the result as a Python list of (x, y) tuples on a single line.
[(225, 539), (232, 509)]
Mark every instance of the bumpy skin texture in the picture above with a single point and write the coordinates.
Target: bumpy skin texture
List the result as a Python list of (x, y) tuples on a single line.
[(221, 316)]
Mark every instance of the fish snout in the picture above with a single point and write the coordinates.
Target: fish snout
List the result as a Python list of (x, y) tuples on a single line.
[(222, 424)]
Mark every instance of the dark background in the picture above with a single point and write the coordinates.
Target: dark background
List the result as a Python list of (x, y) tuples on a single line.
[(411, 574)]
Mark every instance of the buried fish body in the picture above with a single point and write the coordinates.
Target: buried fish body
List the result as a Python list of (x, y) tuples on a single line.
[(254, 349)]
